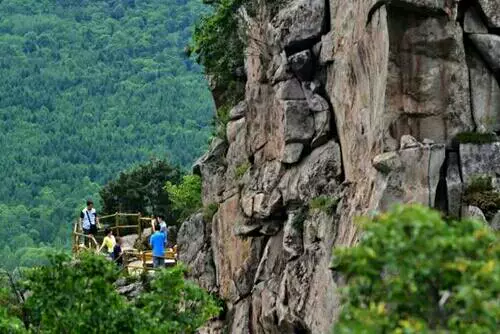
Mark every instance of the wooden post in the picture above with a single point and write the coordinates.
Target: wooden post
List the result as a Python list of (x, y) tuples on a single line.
[(117, 223)]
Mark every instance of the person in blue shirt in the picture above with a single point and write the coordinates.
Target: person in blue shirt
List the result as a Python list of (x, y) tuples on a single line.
[(157, 242)]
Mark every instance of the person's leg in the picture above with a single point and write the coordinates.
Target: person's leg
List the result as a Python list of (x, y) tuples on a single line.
[(161, 262), (155, 262)]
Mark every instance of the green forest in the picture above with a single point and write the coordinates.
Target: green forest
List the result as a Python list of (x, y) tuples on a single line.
[(88, 89)]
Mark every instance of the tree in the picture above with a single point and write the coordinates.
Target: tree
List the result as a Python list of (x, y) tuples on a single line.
[(185, 197), (78, 296), (141, 190), (413, 272)]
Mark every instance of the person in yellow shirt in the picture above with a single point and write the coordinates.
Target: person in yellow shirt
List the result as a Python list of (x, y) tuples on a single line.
[(109, 242)]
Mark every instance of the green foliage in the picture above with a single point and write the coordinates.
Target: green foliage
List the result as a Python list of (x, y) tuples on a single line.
[(476, 137), (242, 169), (326, 204), (182, 306), (219, 47), (209, 211), (480, 193), (141, 189), (79, 297), (185, 197), (412, 272), (88, 89)]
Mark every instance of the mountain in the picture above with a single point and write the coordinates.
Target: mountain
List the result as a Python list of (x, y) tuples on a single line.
[(350, 107), (87, 89)]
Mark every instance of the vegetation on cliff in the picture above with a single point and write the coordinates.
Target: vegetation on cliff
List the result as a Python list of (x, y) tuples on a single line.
[(89, 88), (413, 272), (79, 296)]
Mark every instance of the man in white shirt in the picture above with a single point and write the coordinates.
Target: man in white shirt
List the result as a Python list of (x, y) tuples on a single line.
[(89, 221)]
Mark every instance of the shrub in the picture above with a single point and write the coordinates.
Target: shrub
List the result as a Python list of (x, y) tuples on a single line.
[(326, 204), (476, 137), (209, 211), (242, 169), (78, 296), (185, 196), (412, 272)]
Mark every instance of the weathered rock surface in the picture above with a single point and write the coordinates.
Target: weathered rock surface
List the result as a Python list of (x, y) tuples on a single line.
[(480, 160), (489, 48), (473, 212), (485, 95), (473, 24), (361, 102), (491, 9)]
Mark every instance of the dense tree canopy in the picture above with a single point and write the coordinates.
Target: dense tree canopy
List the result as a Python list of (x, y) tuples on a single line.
[(413, 272), (87, 89), (79, 296)]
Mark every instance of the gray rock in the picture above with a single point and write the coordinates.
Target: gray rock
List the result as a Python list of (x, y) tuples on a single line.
[(293, 230), (315, 175), (495, 222), (279, 69), (194, 250), (302, 65), (491, 9), (292, 153), (132, 290), (473, 24), (299, 22), (480, 160), (327, 49), (241, 317), (428, 141), (315, 101), (322, 120), (485, 95), (489, 48), (454, 185), (238, 111), (387, 162), (299, 122), (289, 90), (233, 128), (408, 141), (473, 212), (411, 176), (211, 167)]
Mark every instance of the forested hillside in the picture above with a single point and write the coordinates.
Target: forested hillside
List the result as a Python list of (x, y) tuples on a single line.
[(87, 89)]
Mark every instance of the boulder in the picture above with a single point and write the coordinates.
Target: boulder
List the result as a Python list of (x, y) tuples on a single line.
[(322, 121), (489, 48), (454, 185), (302, 65), (326, 55), (480, 160), (491, 9), (316, 175), (292, 153), (238, 111), (211, 167), (473, 24), (233, 128), (289, 90), (485, 94), (411, 175), (315, 101), (299, 23), (293, 230), (408, 141), (299, 122), (473, 212), (495, 222)]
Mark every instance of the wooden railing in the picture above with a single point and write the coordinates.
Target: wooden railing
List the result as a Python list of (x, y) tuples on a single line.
[(145, 257)]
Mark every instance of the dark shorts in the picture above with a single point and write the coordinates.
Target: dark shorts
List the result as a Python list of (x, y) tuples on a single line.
[(92, 230)]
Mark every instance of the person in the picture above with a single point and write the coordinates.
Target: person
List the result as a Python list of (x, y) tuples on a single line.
[(89, 221), (118, 252), (154, 221), (161, 222), (157, 242), (109, 242)]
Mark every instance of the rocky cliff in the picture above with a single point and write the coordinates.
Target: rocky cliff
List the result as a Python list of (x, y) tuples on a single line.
[(350, 106)]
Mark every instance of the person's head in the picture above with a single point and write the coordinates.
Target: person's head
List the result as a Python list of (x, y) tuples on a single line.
[(90, 204), (161, 218), (108, 231)]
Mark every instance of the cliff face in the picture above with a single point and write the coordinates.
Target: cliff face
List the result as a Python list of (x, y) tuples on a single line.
[(350, 106)]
